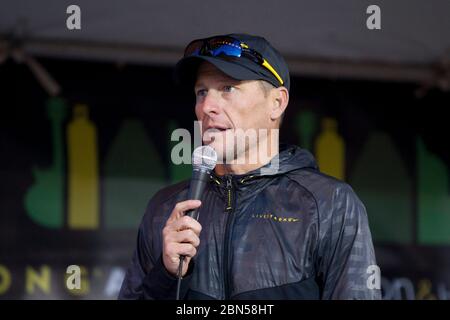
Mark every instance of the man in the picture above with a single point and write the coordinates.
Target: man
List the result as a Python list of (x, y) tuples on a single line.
[(273, 228)]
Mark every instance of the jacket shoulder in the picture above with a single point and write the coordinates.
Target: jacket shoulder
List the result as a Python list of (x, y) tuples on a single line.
[(319, 185), (334, 199)]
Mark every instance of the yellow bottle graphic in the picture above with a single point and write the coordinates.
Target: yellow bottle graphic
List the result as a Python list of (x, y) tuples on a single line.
[(83, 185), (330, 150)]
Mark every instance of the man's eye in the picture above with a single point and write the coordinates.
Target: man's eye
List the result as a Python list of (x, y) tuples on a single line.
[(228, 88), (201, 93)]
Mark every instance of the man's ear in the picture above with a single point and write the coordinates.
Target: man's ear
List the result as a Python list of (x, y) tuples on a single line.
[(280, 100)]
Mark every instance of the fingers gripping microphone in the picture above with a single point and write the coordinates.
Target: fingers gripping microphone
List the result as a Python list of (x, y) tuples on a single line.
[(204, 160)]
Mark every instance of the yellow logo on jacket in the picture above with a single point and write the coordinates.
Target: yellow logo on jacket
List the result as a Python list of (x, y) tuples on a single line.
[(274, 217)]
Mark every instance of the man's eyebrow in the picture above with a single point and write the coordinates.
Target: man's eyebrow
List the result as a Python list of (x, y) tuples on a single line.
[(199, 85), (220, 81)]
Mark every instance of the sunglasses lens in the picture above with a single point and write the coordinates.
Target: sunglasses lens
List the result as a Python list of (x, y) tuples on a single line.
[(224, 46), (226, 50)]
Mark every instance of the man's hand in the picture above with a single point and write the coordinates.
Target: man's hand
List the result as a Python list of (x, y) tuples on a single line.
[(180, 237)]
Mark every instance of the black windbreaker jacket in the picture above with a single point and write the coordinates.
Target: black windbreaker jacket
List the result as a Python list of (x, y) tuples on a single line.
[(291, 233)]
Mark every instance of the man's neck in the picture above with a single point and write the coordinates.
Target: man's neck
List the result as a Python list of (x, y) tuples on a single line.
[(242, 165)]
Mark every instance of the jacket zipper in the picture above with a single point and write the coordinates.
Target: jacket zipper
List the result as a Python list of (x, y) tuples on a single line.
[(227, 239), (229, 190)]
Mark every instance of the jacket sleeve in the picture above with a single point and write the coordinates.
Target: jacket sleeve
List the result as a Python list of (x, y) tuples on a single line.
[(347, 265), (146, 277)]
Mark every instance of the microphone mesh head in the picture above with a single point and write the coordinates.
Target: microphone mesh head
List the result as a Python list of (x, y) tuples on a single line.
[(204, 158)]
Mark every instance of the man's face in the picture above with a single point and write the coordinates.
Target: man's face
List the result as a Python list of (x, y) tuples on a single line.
[(225, 105)]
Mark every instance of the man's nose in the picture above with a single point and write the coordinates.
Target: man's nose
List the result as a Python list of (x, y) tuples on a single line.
[(210, 104)]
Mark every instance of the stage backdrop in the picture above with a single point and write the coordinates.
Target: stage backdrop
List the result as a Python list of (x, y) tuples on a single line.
[(78, 170)]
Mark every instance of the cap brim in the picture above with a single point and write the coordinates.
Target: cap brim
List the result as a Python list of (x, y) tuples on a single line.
[(186, 70)]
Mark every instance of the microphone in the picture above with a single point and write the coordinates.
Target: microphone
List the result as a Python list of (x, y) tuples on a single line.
[(204, 159)]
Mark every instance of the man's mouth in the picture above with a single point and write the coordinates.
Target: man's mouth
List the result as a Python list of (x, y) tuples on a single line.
[(217, 128), (212, 130)]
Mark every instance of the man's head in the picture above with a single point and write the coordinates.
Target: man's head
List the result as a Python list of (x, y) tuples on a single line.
[(241, 85)]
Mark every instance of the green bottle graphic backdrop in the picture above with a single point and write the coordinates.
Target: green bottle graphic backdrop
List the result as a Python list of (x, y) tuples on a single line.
[(44, 201), (133, 173), (305, 127), (381, 181), (432, 197)]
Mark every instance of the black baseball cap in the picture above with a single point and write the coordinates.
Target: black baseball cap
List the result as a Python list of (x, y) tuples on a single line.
[(240, 68)]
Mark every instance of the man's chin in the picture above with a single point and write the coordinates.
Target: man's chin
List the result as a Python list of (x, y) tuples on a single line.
[(220, 149), (215, 145)]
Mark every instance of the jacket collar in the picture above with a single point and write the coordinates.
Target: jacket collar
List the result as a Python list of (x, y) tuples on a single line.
[(289, 158)]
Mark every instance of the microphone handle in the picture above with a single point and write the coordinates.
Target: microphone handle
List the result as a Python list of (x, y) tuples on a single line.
[(196, 188)]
